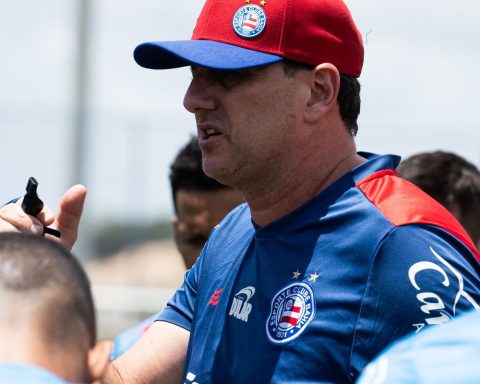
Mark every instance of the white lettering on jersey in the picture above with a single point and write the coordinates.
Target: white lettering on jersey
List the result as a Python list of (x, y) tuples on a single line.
[(241, 307), (189, 379), (433, 304)]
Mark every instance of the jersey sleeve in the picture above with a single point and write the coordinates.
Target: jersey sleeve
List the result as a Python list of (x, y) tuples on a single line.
[(234, 231), (180, 308), (420, 276)]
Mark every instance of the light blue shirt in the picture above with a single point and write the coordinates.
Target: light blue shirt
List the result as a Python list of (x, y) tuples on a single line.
[(440, 354), (26, 374)]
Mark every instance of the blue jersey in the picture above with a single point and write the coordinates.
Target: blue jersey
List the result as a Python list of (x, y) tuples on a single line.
[(26, 374), (446, 354), (314, 296)]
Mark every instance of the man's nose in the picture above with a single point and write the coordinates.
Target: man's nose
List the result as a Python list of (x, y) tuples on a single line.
[(200, 95)]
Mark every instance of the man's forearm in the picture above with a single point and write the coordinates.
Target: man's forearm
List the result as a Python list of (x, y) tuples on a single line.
[(158, 357)]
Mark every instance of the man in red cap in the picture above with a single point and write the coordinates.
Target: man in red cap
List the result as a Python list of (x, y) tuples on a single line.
[(332, 257)]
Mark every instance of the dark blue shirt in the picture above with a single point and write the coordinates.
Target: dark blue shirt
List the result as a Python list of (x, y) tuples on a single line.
[(314, 296)]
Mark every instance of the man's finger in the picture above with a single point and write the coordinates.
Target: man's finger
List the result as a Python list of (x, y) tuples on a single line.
[(46, 216), (12, 218), (69, 214)]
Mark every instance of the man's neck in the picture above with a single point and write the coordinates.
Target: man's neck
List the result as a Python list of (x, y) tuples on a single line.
[(292, 192), (26, 347)]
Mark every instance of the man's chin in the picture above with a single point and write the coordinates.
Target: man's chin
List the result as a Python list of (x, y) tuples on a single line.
[(217, 172)]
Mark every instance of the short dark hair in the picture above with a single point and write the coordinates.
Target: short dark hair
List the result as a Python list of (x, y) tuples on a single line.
[(39, 269), (348, 96), (186, 171), (449, 179)]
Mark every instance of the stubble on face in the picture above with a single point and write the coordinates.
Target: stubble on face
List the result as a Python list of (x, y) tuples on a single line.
[(258, 117)]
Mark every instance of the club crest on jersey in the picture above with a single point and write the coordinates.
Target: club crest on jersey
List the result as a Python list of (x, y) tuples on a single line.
[(292, 309), (249, 21)]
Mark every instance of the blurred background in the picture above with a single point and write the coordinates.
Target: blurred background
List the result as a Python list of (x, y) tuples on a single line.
[(75, 108)]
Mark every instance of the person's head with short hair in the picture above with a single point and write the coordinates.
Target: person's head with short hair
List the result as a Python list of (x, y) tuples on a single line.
[(200, 202), (452, 181), (47, 315)]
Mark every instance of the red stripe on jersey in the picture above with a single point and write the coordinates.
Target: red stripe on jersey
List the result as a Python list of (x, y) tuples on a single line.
[(403, 203)]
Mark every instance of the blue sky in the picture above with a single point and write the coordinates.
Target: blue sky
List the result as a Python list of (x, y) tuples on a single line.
[(420, 93)]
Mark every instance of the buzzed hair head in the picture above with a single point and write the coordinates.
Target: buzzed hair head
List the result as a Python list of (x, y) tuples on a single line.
[(48, 284), (449, 179)]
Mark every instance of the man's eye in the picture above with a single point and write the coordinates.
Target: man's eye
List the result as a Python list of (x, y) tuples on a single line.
[(229, 79), (226, 79)]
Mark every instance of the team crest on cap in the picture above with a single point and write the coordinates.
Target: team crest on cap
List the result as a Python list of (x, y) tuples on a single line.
[(292, 309), (249, 21)]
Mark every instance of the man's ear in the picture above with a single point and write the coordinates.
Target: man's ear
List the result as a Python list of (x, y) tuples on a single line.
[(98, 359), (176, 231), (175, 222), (325, 85)]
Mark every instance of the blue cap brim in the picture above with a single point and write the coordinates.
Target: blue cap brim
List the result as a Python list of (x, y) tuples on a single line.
[(204, 53)]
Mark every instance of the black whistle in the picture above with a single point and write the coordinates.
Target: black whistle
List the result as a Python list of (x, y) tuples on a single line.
[(32, 205)]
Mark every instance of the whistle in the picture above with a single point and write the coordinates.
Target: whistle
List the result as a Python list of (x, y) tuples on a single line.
[(32, 205)]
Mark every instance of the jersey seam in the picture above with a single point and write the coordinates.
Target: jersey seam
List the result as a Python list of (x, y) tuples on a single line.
[(379, 246)]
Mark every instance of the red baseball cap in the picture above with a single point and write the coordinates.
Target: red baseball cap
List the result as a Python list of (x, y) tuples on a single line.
[(239, 34)]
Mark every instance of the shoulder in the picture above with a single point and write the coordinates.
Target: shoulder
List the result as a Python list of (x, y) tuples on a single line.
[(403, 203), (227, 242), (239, 217), (234, 229)]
